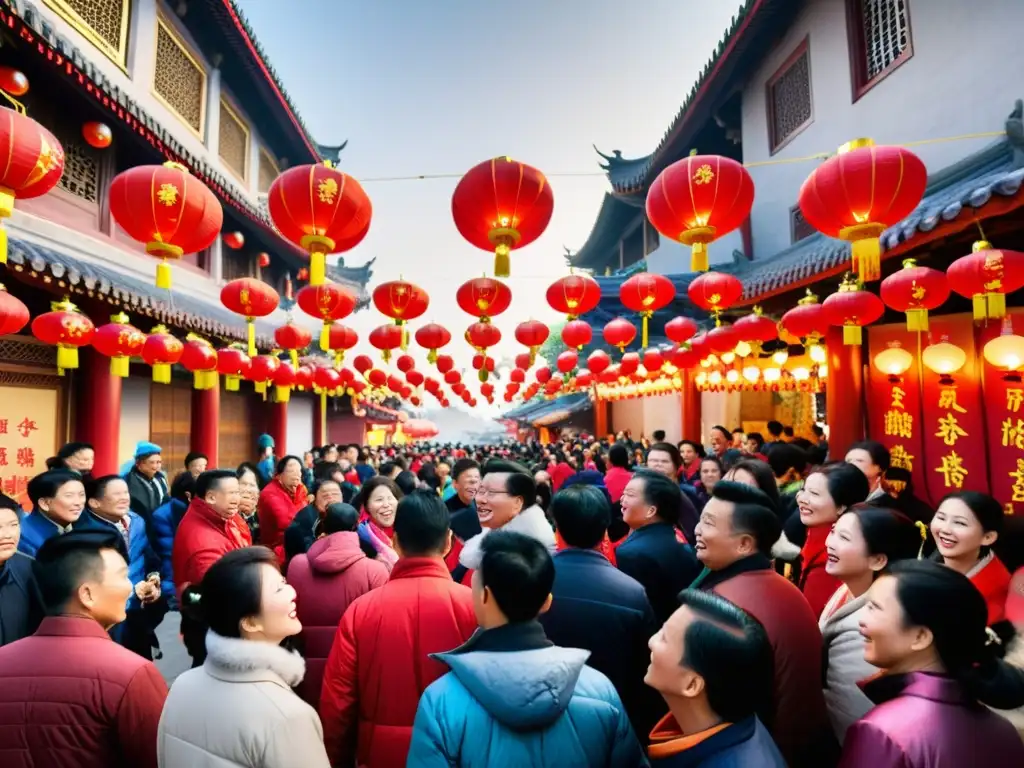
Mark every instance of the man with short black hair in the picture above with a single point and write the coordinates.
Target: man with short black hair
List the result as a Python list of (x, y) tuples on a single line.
[(658, 435), (195, 463), (665, 459), (754, 444), (775, 432), (462, 506), (712, 663), (69, 694), (305, 527), (488, 711), (734, 541)]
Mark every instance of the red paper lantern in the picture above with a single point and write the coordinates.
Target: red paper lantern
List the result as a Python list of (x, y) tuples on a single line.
[(574, 295), (250, 298), (914, 290), (523, 361), (200, 358), (567, 361), (852, 307), (699, 199), (452, 377), (97, 135), (263, 369), (328, 379), (400, 300), (302, 274), (723, 338), (715, 292), (120, 341), (263, 259), (859, 193), (415, 378), (284, 379), (362, 363), (340, 339), (327, 302), (680, 329), (168, 209), (405, 363), (432, 337), (68, 329), (161, 350), (346, 376), (543, 375), (33, 166), (598, 361), (321, 210), (517, 376), (394, 383), (584, 378), (629, 363), (304, 377), (577, 334), (683, 358), (292, 338), (646, 293), (233, 240), (532, 334), (444, 363), (653, 360), (482, 335), (233, 364), (985, 276), (483, 297), (386, 338), (500, 205), (13, 81), (619, 333), (14, 314), (807, 320)]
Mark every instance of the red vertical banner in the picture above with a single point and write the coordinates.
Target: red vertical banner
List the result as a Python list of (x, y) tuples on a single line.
[(954, 414), (894, 404), (1004, 400)]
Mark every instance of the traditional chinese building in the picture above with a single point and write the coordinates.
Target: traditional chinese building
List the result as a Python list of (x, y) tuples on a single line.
[(789, 83), (173, 81)]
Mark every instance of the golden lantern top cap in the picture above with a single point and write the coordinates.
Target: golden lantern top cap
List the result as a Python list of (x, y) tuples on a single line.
[(809, 298), (159, 329), (64, 305), (120, 317), (849, 284), (981, 245), (909, 263), (853, 144)]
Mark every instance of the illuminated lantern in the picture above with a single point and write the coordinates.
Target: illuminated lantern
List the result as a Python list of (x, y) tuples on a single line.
[(653, 360), (1006, 351), (432, 337), (577, 334), (699, 199), (234, 240), (680, 329), (517, 375), (97, 135), (200, 358), (532, 334), (284, 379), (523, 361), (161, 350), (859, 193), (327, 302), (893, 361), (806, 320), (414, 377), (914, 290), (13, 81), (483, 297), (376, 377), (320, 209), (944, 359), (68, 329), (262, 370), (500, 205), (233, 364), (263, 259), (444, 363), (543, 375), (13, 313), (168, 209), (756, 329), (629, 363), (852, 307), (481, 336), (33, 165), (119, 341), (646, 293), (567, 361), (619, 333), (985, 276), (715, 292), (405, 363), (401, 301), (598, 361), (250, 298), (683, 358), (451, 378), (304, 377), (386, 338), (574, 295), (328, 380), (292, 338)]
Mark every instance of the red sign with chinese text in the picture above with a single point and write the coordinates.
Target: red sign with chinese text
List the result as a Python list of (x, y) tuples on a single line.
[(1004, 413), (28, 437)]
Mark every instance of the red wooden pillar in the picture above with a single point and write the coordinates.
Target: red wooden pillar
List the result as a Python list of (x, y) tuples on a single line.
[(600, 418), (206, 423), (98, 410), (319, 420), (690, 407), (844, 398), (277, 427)]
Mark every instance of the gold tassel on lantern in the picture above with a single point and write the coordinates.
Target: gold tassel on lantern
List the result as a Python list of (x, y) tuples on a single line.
[(231, 383), (318, 265), (980, 304), (293, 355), (996, 305), (645, 316), (250, 327), (917, 319), (161, 373), (432, 356), (325, 337), (260, 387), (502, 261), (119, 366), (282, 394), (163, 275), (6, 209), (853, 335), (698, 259), (67, 357)]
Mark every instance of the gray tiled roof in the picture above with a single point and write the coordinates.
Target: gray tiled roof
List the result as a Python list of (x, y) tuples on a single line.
[(532, 411)]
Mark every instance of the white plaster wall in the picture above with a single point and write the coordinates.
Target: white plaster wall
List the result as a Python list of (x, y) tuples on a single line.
[(300, 423), (628, 414), (672, 258), (134, 415), (663, 412), (960, 80)]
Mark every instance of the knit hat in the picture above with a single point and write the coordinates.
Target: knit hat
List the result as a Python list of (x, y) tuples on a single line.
[(146, 448), (265, 441)]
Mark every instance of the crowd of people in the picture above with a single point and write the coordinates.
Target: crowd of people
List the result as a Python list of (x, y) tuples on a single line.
[(591, 602)]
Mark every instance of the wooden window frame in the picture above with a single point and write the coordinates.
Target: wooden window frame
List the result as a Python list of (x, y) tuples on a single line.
[(117, 55), (793, 239), (269, 158), (235, 114), (802, 48), (179, 40), (857, 47)]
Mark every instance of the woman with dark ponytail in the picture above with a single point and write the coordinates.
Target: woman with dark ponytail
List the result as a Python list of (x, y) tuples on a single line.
[(925, 628)]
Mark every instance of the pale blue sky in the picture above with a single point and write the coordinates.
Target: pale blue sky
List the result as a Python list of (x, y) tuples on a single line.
[(436, 86)]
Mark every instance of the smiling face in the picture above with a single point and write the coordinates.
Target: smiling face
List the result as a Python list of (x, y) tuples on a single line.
[(888, 642), (719, 440), (67, 503), (958, 533), (709, 475), (636, 512), (751, 446), (665, 673), (197, 466), (10, 533), (815, 502), (661, 462), (847, 551), (248, 492), (328, 493), (494, 506), (277, 619), (717, 544), (381, 506), (114, 504), (149, 466), (104, 594), (466, 484)]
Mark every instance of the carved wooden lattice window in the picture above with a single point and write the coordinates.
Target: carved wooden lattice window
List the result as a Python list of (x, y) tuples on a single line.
[(268, 171), (180, 81), (879, 39), (81, 170), (234, 140), (104, 23), (789, 98), (798, 226)]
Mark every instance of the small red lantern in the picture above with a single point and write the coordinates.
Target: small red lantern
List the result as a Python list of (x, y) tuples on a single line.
[(483, 297), (432, 337), (320, 209), (327, 302), (263, 259), (619, 333), (574, 295), (523, 361), (261, 371), (532, 334), (415, 378), (646, 293), (233, 240), (168, 209), (303, 274), (577, 334), (386, 338), (807, 320), (543, 375), (292, 338), (33, 166), (723, 338), (68, 329), (444, 363), (362, 363), (482, 335), (13, 81), (304, 377), (914, 290), (598, 361), (405, 363), (328, 379), (97, 135), (401, 301), (653, 360), (451, 378), (683, 358), (284, 379), (517, 376), (859, 193), (250, 298), (629, 363), (199, 357), (567, 361), (376, 377), (233, 364), (500, 205), (699, 199), (715, 292), (340, 339), (14, 314), (584, 378), (120, 341), (680, 329), (985, 276), (756, 329), (161, 350), (852, 307)]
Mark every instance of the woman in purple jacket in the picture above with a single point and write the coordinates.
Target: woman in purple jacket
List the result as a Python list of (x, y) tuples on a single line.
[(925, 628)]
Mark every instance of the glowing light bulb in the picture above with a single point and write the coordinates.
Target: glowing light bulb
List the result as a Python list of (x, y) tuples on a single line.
[(728, 358), (780, 357), (715, 377), (743, 349), (732, 376), (772, 375), (702, 379), (752, 373), (801, 374), (816, 353)]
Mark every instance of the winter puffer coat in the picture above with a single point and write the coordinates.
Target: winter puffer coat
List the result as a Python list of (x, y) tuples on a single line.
[(165, 526)]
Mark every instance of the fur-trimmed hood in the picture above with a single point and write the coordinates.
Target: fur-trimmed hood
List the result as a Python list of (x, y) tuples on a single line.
[(230, 658), (530, 522)]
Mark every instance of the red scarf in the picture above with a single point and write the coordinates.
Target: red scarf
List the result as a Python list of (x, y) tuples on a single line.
[(606, 547)]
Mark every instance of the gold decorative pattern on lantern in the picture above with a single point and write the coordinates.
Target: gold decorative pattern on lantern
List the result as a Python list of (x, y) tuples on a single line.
[(703, 175), (179, 80), (104, 23), (167, 194), (327, 190)]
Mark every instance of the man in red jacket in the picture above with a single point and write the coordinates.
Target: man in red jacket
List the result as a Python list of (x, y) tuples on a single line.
[(69, 695), (380, 662), (210, 528), (279, 502)]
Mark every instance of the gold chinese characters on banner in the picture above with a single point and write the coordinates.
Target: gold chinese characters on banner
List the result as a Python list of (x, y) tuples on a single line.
[(28, 437)]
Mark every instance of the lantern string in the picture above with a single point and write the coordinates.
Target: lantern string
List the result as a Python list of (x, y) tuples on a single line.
[(756, 164)]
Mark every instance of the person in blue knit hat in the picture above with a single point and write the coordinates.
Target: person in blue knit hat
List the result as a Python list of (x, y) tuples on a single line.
[(267, 461), (147, 483)]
